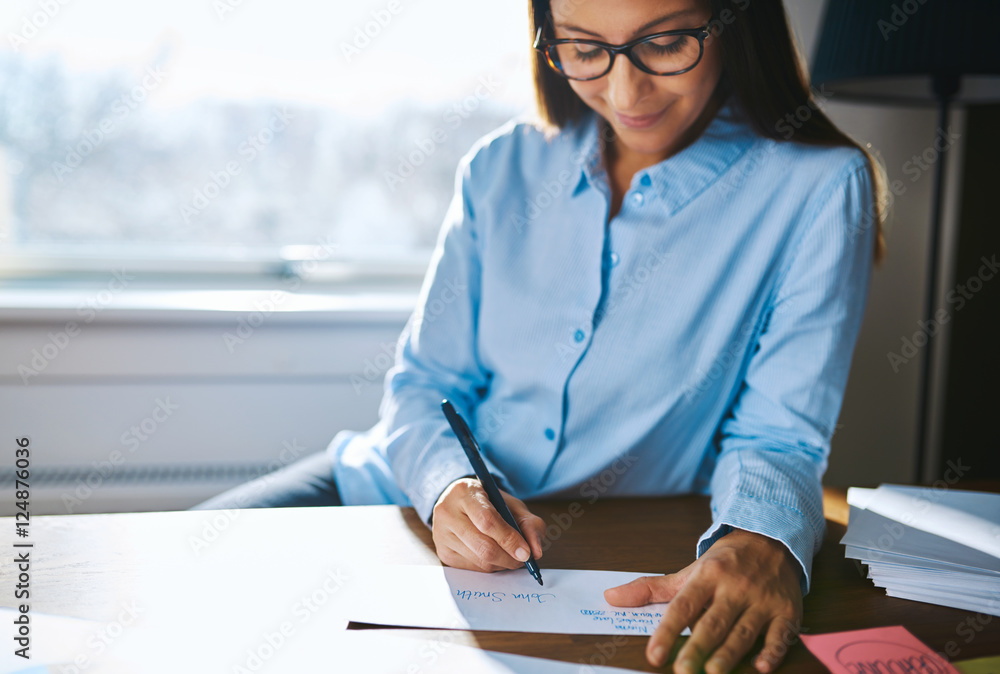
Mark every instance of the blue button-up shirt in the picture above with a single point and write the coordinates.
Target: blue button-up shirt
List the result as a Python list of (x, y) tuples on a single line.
[(698, 342)]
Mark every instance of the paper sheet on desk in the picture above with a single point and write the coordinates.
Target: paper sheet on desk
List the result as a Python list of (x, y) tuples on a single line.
[(971, 519), (333, 650), (571, 601), (52, 640), (374, 652)]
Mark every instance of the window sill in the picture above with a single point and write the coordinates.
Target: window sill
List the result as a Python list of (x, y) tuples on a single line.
[(117, 304)]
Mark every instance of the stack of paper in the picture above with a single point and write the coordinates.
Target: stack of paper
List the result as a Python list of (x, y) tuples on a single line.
[(940, 546)]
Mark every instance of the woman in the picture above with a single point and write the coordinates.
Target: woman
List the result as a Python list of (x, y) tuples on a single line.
[(657, 290)]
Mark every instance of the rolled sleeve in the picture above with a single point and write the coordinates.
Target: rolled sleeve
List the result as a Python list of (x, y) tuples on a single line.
[(436, 359), (774, 444)]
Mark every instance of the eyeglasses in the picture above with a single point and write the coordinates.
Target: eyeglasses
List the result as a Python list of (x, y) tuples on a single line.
[(672, 52)]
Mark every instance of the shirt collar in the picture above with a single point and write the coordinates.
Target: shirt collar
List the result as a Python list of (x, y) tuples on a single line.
[(680, 178)]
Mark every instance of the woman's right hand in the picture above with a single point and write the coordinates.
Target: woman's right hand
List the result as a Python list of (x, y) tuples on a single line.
[(470, 534)]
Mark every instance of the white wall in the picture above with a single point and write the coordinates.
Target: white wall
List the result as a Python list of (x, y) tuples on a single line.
[(876, 434), (162, 389)]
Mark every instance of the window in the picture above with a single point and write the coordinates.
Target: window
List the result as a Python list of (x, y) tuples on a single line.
[(245, 131)]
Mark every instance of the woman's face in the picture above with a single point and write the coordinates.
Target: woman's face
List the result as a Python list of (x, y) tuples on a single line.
[(649, 113)]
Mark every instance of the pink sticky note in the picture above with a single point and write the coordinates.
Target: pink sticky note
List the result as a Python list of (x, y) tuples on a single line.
[(882, 649)]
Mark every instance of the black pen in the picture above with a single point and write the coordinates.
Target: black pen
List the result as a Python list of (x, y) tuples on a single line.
[(471, 447)]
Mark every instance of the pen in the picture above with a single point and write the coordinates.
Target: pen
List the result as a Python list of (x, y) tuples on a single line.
[(471, 447)]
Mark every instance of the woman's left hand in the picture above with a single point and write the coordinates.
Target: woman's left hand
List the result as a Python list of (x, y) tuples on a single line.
[(746, 583)]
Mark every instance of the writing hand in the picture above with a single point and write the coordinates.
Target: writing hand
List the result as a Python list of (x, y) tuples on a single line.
[(469, 533), (746, 583)]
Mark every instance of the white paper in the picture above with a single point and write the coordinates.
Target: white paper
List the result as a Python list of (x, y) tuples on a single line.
[(879, 539), (968, 518), (932, 545), (322, 650), (979, 605), (570, 602), (372, 651), (859, 496), (53, 639)]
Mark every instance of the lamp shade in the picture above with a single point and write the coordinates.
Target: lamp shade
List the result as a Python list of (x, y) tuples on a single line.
[(910, 51)]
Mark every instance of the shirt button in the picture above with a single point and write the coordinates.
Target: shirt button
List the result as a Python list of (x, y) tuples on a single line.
[(550, 434), (614, 259), (579, 335), (638, 198), (645, 180)]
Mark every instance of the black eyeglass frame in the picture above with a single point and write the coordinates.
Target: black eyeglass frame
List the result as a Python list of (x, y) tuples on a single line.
[(700, 33)]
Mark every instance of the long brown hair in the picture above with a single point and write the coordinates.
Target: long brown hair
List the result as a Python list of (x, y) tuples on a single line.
[(761, 66)]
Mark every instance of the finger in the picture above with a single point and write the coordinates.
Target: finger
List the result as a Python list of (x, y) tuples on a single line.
[(709, 631), (454, 530), (450, 550), (531, 525), (646, 590), (451, 557), (487, 520), (459, 557), (483, 551), (682, 611), (741, 638), (535, 531), (780, 635), (481, 548)]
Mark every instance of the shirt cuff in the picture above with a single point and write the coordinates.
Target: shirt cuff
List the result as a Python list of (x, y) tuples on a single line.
[(775, 521)]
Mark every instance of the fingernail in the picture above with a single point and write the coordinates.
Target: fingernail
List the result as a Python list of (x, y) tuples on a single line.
[(716, 664), (659, 653), (521, 555), (688, 666)]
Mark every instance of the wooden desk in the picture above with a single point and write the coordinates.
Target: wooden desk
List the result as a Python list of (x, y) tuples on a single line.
[(255, 562)]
